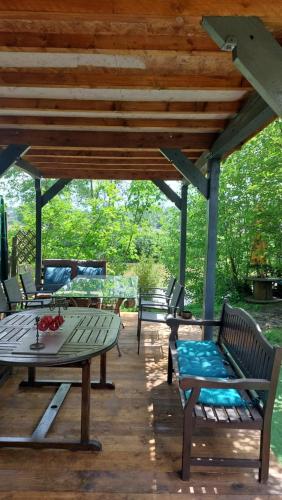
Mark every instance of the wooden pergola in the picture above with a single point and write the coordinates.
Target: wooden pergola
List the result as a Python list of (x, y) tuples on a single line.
[(145, 90)]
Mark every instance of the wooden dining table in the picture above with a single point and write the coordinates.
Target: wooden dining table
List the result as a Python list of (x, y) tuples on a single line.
[(87, 333)]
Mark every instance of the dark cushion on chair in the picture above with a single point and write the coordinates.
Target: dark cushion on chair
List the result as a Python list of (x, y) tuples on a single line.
[(55, 277), (200, 358), (89, 272)]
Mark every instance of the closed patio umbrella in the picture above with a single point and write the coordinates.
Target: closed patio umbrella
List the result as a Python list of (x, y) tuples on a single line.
[(4, 268)]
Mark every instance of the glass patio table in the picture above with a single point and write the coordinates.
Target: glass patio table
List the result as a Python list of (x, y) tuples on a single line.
[(117, 288)]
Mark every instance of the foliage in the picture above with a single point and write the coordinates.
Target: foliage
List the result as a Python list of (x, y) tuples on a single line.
[(274, 336), (150, 274), (124, 222)]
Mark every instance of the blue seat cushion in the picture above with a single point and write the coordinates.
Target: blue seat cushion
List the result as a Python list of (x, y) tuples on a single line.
[(89, 272), (57, 275), (219, 397), (204, 359), (200, 358)]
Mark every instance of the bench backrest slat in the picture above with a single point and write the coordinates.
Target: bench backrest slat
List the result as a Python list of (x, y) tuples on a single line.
[(243, 339)]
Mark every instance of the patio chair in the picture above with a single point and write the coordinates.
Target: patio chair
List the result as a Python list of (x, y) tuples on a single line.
[(30, 289), (14, 296), (4, 304), (160, 315), (155, 297)]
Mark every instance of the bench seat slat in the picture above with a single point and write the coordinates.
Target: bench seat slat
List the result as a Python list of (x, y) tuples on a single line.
[(199, 412), (221, 414), (256, 416), (210, 413)]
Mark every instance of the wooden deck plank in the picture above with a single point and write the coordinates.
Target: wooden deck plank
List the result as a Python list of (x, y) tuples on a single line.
[(139, 425)]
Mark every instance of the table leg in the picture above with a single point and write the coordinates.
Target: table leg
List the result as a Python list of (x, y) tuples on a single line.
[(118, 305), (37, 440), (85, 401), (103, 383)]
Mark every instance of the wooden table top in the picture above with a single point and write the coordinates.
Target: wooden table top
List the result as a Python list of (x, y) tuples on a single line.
[(96, 333)]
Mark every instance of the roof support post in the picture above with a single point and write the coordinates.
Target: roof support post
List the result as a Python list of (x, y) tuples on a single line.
[(38, 232), (53, 190), (10, 154), (210, 272), (168, 192), (187, 168), (255, 52), (183, 237)]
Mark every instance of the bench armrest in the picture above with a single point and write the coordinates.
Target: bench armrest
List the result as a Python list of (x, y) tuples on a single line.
[(218, 383), (171, 321)]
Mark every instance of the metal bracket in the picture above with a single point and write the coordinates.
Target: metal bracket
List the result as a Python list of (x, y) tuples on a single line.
[(229, 44)]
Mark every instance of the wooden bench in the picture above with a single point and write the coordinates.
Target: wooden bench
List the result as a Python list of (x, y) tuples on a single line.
[(254, 365)]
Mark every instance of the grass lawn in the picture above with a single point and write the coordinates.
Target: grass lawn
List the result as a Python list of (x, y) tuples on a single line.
[(275, 337)]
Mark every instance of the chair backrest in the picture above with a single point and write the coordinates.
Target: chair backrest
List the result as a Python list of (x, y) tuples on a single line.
[(12, 290), (170, 286), (176, 297), (4, 306), (28, 284)]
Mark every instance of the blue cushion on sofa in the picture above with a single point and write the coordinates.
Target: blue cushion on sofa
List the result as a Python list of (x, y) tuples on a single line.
[(200, 358), (55, 277), (219, 397), (89, 272)]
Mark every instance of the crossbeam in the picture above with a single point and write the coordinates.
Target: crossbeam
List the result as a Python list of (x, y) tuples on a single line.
[(53, 190), (187, 168), (10, 155), (253, 116), (28, 168), (255, 52), (169, 193)]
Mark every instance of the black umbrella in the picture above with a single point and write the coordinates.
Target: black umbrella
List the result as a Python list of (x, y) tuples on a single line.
[(4, 267)]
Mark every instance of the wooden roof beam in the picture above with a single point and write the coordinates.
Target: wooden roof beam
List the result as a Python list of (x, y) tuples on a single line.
[(28, 168), (253, 116), (255, 52), (169, 193), (53, 190), (10, 155), (187, 168)]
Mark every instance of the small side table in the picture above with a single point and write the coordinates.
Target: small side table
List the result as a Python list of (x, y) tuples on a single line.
[(262, 290)]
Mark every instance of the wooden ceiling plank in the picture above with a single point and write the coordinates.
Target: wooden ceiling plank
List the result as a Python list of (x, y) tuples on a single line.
[(200, 109), (110, 174), (62, 156), (123, 94), (146, 8), (93, 166), (111, 139), (111, 122), (98, 161), (104, 78)]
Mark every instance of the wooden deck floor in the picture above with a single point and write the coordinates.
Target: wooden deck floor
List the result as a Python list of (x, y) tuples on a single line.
[(139, 425)]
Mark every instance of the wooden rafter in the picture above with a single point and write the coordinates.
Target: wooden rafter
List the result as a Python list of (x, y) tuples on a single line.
[(96, 88)]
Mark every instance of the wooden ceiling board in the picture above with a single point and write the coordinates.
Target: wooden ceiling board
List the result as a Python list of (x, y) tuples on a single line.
[(97, 87)]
